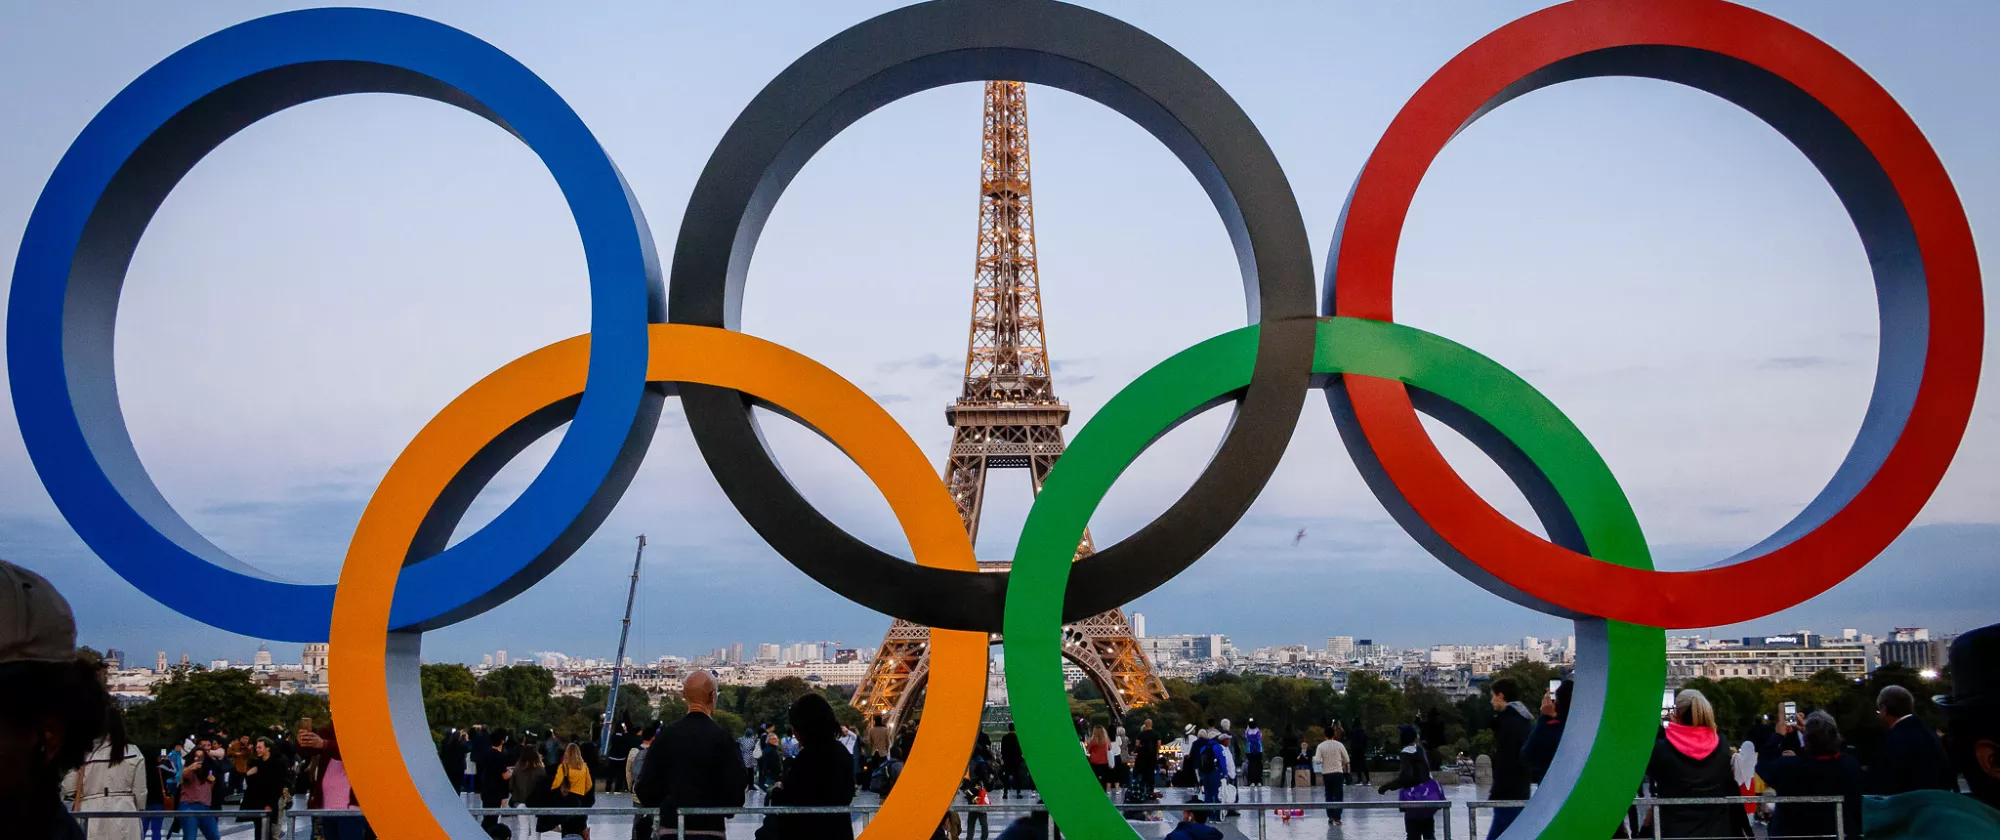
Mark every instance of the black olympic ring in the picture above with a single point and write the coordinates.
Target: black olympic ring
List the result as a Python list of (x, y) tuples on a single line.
[(1087, 53)]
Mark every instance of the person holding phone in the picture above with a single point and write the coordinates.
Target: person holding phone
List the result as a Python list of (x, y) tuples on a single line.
[(198, 780), (1818, 768), (1546, 737)]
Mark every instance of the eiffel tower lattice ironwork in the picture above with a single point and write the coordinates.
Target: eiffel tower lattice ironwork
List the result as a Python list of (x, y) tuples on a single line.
[(1008, 417)]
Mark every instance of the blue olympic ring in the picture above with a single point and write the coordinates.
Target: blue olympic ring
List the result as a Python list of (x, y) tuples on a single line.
[(88, 220)]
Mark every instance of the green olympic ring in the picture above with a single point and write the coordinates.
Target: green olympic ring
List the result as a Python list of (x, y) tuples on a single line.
[(1611, 719)]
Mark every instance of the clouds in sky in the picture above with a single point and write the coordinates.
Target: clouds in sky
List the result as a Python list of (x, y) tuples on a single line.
[(1664, 267)]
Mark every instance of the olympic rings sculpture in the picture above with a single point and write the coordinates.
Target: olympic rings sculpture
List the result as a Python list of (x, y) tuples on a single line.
[(648, 341)]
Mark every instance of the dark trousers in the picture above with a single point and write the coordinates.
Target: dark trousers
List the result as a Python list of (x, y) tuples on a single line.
[(1420, 828), (1256, 768), (491, 799), (1336, 791), (1211, 787), (614, 775), (1145, 772), (973, 818)]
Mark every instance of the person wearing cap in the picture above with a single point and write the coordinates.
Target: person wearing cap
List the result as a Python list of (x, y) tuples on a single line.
[(53, 706), (1972, 719)]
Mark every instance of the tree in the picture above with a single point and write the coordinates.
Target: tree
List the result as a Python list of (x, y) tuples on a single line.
[(525, 689), (772, 702), (445, 679), (1533, 678), (633, 705), (190, 695), (672, 707), (1372, 702)]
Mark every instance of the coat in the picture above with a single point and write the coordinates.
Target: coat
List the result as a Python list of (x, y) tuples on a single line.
[(693, 762), (821, 774), (1801, 775), (1510, 733), (1912, 759), (1681, 767), (1540, 750), (264, 788), (109, 786)]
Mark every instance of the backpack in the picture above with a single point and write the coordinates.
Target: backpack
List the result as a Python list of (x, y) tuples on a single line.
[(1205, 758)]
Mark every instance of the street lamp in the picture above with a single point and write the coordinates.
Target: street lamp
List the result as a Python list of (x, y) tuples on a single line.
[(1928, 673)]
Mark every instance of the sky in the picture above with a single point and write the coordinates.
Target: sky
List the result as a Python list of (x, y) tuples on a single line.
[(1664, 267)]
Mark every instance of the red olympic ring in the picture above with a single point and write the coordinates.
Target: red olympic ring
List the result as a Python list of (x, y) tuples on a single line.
[(1894, 466)]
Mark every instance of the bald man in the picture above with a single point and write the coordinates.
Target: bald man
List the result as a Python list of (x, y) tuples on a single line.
[(693, 764)]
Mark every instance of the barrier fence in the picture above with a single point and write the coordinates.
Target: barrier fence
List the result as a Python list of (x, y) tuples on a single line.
[(289, 819)]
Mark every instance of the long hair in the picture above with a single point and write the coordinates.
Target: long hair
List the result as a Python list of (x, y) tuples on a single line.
[(529, 758), (1097, 735), (72, 693), (572, 759), (1692, 709)]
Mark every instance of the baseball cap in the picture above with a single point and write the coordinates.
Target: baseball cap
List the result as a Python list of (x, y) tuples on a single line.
[(35, 621)]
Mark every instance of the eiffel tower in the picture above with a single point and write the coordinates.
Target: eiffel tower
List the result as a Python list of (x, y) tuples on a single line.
[(1008, 417)]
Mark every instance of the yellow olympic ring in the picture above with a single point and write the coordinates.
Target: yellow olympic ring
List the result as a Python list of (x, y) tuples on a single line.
[(358, 678)]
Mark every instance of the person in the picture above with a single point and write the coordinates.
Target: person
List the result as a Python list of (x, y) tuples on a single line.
[(642, 824), (1098, 751), (1146, 763), (263, 787), (572, 782), (112, 778), (1540, 750), (552, 750), (1688, 761), (198, 795), (1033, 825), (818, 776), (1357, 750), (1743, 768), (1229, 768), (1972, 717), (327, 785), (1194, 826), (527, 777), (1821, 770), (1206, 756), (693, 763), (1413, 769), (1912, 756), (1294, 748), (974, 789), (1012, 762), (477, 742), (878, 737), (614, 758), (156, 828), (1118, 753), (770, 763), (1331, 755), (1253, 753), (451, 756), (489, 773), (1511, 725), (747, 746)]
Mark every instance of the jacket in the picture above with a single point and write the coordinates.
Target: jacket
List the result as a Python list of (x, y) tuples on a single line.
[(525, 782), (1912, 759), (1691, 761), (821, 774), (109, 785), (693, 763), (1149, 749), (1510, 733), (264, 788), (1800, 775), (1540, 750), (1191, 830), (1332, 756)]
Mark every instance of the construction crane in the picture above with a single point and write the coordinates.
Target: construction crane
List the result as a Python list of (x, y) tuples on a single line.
[(618, 663)]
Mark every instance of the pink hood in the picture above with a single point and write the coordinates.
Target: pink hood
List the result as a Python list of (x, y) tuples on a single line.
[(1695, 742)]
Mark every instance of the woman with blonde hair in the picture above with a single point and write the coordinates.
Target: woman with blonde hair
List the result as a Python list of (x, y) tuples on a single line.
[(1098, 748), (1689, 761), (572, 780)]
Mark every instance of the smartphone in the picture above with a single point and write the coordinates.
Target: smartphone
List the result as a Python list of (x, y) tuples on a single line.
[(305, 724), (1554, 685), (1666, 704), (1791, 711)]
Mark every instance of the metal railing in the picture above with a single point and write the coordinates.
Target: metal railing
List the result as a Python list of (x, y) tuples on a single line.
[(1443, 810), (1653, 804), (1262, 809)]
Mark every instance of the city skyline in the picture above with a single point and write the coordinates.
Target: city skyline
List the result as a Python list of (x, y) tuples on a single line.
[(1579, 236)]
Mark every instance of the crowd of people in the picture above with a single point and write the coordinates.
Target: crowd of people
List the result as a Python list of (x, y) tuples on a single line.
[(64, 753)]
